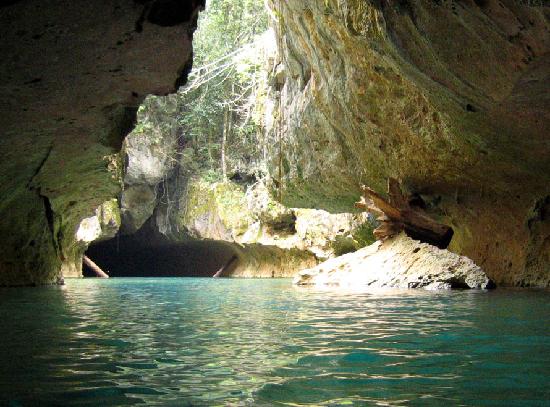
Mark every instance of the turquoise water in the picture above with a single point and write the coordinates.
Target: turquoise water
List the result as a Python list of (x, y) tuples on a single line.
[(207, 342)]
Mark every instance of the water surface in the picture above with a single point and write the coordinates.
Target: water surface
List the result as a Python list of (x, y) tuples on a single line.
[(207, 342)]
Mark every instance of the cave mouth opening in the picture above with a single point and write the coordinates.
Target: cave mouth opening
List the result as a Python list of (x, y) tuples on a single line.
[(208, 131), (131, 256)]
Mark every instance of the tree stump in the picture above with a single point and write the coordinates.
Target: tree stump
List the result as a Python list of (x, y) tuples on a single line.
[(398, 214)]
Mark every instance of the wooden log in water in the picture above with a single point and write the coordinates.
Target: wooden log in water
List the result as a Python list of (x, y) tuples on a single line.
[(94, 267), (396, 214), (225, 267)]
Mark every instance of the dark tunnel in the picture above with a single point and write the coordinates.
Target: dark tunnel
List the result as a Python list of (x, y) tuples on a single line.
[(131, 256)]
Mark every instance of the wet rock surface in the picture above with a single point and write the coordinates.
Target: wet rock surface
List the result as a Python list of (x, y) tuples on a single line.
[(398, 262), (72, 75)]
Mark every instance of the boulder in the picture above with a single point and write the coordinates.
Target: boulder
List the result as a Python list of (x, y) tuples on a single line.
[(398, 262)]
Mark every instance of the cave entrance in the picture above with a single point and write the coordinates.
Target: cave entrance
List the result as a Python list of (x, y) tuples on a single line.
[(210, 130), (129, 256)]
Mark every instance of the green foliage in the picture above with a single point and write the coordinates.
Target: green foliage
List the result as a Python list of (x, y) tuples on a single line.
[(227, 25), (211, 176), (157, 117), (363, 235), (223, 87), (360, 237), (223, 96), (343, 244)]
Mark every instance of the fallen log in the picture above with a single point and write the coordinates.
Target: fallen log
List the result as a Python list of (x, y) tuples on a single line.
[(225, 267), (95, 268), (396, 214)]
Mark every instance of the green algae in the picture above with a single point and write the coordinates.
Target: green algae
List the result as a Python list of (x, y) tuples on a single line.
[(224, 199)]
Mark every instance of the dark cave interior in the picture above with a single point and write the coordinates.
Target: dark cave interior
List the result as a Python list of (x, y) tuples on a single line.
[(131, 256)]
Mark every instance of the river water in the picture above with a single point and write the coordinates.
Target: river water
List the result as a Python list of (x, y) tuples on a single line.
[(208, 342)]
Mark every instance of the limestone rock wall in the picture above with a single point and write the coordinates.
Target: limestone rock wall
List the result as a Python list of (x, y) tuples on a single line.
[(261, 261), (267, 239), (449, 97), (225, 211), (72, 74), (150, 155)]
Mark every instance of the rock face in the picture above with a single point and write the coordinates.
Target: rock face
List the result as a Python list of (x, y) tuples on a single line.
[(72, 75), (150, 153), (260, 232), (263, 261), (267, 239), (103, 225), (449, 97), (399, 262), (227, 212)]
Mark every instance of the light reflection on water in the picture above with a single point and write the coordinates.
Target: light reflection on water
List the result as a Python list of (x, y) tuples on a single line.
[(263, 342)]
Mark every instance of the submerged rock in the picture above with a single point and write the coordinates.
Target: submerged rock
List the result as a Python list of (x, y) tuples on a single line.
[(398, 262)]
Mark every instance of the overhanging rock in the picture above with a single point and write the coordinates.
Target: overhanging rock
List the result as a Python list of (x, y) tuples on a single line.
[(72, 74)]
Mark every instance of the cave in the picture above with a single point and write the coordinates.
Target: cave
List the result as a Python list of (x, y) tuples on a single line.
[(138, 255), (462, 135), (123, 258), (101, 160)]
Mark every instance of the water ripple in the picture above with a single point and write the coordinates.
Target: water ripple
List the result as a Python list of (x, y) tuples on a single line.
[(249, 342)]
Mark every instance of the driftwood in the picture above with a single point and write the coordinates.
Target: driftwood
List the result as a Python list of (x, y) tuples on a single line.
[(94, 267), (398, 214), (225, 267)]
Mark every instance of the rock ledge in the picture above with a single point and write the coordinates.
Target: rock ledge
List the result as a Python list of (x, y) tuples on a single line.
[(399, 262)]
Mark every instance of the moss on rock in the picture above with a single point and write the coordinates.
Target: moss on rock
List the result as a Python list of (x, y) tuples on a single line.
[(68, 100), (215, 210)]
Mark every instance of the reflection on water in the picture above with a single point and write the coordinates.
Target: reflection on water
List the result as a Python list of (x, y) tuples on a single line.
[(259, 342)]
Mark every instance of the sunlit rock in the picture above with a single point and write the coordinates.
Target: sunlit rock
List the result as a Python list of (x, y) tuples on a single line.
[(398, 262), (88, 230), (109, 218), (268, 261), (103, 225), (269, 239), (322, 232), (150, 154), (228, 212)]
